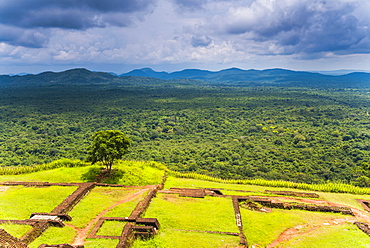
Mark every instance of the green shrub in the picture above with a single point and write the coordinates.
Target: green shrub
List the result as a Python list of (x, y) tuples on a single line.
[(98, 174), (140, 173), (91, 175), (114, 177)]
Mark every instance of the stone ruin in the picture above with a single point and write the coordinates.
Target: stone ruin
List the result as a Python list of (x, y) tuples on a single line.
[(8, 241), (148, 227), (293, 193), (296, 205), (363, 227), (136, 226)]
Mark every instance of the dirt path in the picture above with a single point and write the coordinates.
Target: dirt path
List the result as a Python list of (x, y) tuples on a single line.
[(293, 232), (83, 232), (4, 188)]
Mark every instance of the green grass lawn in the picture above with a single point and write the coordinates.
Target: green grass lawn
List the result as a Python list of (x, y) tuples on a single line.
[(194, 183), (170, 239), (59, 175), (339, 198), (139, 173), (263, 228), (179, 216), (100, 199), (125, 209), (55, 235), (18, 202), (135, 173), (184, 220), (345, 199), (111, 228), (16, 230), (347, 235), (208, 214), (101, 243)]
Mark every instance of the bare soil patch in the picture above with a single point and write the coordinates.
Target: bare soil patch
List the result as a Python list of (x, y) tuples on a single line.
[(299, 230), (4, 188), (307, 228)]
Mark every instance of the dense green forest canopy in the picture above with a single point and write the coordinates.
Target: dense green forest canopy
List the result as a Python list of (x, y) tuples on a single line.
[(296, 134)]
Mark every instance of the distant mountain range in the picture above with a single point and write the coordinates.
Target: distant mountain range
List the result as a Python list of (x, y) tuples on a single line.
[(339, 72), (229, 77), (235, 76)]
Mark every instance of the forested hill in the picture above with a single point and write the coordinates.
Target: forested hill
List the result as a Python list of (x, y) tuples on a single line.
[(307, 134), (228, 77), (74, 77), (277, 77)]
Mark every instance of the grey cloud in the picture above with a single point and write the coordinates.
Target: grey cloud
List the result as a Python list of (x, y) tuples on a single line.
[(303, 26), (336, 33), (60, 18), (21, 37), (70, 14), (200, 41), (190, 4), (114, 5), (27, 23)]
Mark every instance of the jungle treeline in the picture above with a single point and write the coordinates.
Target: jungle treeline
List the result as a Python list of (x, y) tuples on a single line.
[(290, 133)]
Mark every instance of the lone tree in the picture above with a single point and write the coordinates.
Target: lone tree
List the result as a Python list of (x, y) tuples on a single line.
[(108, 146)]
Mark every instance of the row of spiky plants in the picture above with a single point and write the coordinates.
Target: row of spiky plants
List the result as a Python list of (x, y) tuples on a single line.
[(17, 170), (327, 187)]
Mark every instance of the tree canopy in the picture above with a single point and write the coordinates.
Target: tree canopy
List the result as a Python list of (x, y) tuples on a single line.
[(275, 133), (108, 146)]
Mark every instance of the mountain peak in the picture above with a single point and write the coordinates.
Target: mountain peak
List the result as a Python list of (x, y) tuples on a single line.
[(233, 69), (147, 69), (147, 72)]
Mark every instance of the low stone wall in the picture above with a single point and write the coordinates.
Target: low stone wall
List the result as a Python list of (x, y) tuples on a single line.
[(195, 193), (128, 234), (41, 224), (363, 227), (68, 204), (295, 205), (18, 222), (239, 223), (127, 237), (293, 193), (164, 178), (8, 241), (136, 226), (56, 246), (144, 204), (364, 203), (35, 232)]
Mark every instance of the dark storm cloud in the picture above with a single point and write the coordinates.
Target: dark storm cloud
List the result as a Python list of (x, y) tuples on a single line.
[(20, 37), (26, 23), (304, 26), (69, 14)]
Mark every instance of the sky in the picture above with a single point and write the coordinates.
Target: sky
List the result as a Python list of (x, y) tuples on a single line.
[(170, 35)]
